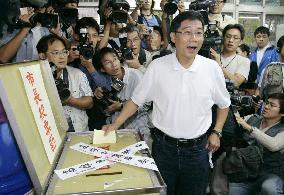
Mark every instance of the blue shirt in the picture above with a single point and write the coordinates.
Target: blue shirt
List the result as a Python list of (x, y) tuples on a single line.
[(270, 55)]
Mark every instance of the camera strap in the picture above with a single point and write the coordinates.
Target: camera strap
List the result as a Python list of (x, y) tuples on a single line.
[(65, 77)]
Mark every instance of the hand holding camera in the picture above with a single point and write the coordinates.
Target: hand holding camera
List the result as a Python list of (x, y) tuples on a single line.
[(133, 63), (115, 106)]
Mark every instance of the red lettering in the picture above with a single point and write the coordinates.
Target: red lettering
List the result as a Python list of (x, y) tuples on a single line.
[(47, 127), (42, 114), (36, 96), (30, 78)]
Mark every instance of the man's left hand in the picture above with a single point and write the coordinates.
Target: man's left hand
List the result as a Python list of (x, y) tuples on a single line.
[(134, 63), (213, 142)]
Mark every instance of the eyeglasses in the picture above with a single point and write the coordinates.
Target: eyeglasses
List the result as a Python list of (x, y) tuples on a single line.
[(235, 38), (57, 54), (135, 40), (92, 36), (189, 34), (271, 104), (74, 49), (219, 2)]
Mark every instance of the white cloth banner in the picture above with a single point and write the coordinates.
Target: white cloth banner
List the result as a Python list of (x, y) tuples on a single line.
[(41, 109)]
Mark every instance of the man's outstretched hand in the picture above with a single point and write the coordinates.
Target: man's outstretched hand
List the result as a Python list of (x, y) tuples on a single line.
[(110, 127)]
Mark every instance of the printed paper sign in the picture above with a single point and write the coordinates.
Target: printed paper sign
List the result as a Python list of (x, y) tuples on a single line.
[(126, 156), (41, 109)]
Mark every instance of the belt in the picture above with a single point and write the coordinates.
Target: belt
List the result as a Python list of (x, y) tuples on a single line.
[(179, 142)]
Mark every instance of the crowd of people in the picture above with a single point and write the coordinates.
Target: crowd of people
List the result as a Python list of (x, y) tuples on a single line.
[(146, 73)]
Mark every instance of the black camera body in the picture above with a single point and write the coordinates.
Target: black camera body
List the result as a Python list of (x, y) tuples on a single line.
[(125, 51), (212, 38), (116, 86), (84, 47), (119, 11), (171, 7), (68, 16), (45, 19), (62, 87)]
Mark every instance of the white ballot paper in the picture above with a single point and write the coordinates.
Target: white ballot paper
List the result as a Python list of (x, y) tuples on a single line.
[(125, 156), (100, 138)]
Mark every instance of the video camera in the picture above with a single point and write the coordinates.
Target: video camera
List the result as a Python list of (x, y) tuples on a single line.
[(171, 7), (45, 19), (239, 102), (61, 85), (116, 86), (212, 38), (85, 48), (119, 11)]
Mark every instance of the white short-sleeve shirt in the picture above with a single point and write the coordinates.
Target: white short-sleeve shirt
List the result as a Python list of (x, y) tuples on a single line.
[(182, 98)]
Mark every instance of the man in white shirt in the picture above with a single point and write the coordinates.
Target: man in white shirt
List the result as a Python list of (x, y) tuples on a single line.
[(235, 67), (183, 87), (53, 49)]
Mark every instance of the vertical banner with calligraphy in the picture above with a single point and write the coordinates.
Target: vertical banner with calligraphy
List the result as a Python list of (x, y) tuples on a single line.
[(41, 109)]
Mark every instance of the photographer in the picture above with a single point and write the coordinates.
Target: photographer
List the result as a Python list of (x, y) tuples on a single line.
[(53, 48), (215, 15), (235, 67), (22, 42), (8, 49), (141, 57), (109, 63), (268, 132)]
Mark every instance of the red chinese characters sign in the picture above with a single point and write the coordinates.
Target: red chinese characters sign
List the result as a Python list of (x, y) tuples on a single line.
[(41, 109)]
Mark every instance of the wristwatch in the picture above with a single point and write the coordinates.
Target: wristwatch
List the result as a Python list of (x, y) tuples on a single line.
[(218, 133)]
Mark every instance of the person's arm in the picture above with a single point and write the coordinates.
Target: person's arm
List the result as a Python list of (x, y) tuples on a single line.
[(273, 144), (85, 102), (136, 12), (237, 78), (8, 50), (165, 19), (104, 40), (128, 110), (214, 139)]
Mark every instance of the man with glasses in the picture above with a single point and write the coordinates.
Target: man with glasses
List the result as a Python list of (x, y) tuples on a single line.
[(53, 49), (265, 52), (267, 131), (141, 57), (215, 15), (183, 87), (235, 67)]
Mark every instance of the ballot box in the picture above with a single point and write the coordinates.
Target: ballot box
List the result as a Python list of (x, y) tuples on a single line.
[(36, 116)]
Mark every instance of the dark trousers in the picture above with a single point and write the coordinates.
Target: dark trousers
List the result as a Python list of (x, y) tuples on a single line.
[(184, 169)]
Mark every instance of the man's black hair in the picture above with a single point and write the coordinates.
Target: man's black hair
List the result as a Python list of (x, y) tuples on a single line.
[(235, 26), (86, 22), (187, 15), (131, 28), (45, 41), (280, 43), (159, 29), (245, 47), (261, 30), (97, 58)]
